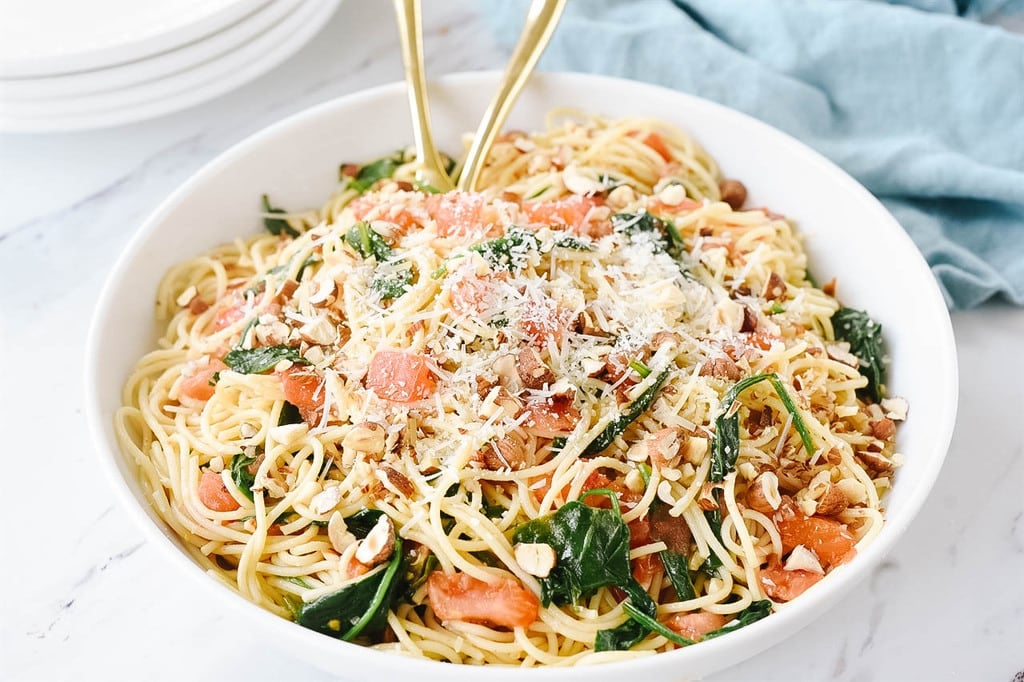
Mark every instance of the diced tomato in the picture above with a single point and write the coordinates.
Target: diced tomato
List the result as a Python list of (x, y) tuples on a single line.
[(659, 208), (400, 377), (200, 385), (572, 212), (214, 495), (550, 419), (828, 539), (655, 142), (783, 585), (472, 295), (645, 568), (229, 311), (694, 626), (502, 603), (542, 321), (458, 214), (303, 389), (404, 217)]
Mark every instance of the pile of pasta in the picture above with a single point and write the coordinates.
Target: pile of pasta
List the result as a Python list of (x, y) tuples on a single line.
[(596, 410)]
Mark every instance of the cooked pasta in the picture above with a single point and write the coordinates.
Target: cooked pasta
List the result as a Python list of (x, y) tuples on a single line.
[(595, 411)]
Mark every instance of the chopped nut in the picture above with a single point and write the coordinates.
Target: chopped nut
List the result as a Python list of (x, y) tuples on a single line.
[(895, 408), (840, 352), (325, 500), (288, 288), (247, 430), (672, 194), (634, 481), (728, 314), (829, 287), (875, 461), (338, 533), (366, 437), (883, 429), (398, 480), (507, 452), (621, 196), (733, 192), (706, 500), (322, 294), (578, 183), (216, 464), (695, 450), (803, 559), (532, 370), (197, 305), (774, 288), (854, 490), (763, 494), (721, 367), (663, 447), (536, 558), (832, 501), (379, 543), (665, 339), (319, 331), (749, 319)]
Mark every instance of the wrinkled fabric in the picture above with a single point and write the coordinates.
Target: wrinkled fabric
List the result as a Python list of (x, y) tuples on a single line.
[(917, 99)]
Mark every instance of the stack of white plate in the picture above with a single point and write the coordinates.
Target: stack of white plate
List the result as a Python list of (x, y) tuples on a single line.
[(75, 64)]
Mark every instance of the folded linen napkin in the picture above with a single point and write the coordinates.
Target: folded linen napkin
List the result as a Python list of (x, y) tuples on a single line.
[(917, 99)]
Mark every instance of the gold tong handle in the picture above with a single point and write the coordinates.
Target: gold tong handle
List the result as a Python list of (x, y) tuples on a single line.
[(410, 32), (537, 31)]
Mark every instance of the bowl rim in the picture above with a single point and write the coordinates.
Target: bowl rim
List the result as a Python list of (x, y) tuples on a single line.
[(786, 621)]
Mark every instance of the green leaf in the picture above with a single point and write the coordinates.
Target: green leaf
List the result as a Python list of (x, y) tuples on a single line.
[(631, 413), (567, 242), (677, 567), (753, 613), (713, 563), (289, 415), (539, 192), (509, 251), (865, 338), (362, 522), (726, 445), (653, 625), (592, 549), (371, 173), (240, 475), (367, 242), (632, 632), (358, 608), (259, 360), (640, 368), (676, 246), (392, 281), (276, 226)]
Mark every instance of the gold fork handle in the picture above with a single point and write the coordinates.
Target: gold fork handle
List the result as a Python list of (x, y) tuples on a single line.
[(410, 33), (540, 25)]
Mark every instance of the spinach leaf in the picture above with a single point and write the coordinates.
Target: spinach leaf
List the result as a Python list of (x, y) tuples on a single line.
[(367, 242), (651, 623), (392, 281), (753, 613), (630, 633), (865, 338), (592, 549), (276, 226), (713, 563), (509, 251), (369, 174), (363, 521), (637, 223), (567, 242), (289, 415), (418, 573), (259, 360), (726, 446), (676, 247), (632, 412), (677, 568), (240, 474), (358, 608)]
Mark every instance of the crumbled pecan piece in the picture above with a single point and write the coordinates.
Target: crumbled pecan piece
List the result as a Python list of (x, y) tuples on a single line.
[(733, 192), (883, 429), (832, 501), (532, 370), (721, 367)]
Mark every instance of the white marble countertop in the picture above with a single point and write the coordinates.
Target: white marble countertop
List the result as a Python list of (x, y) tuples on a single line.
[(86, 598)]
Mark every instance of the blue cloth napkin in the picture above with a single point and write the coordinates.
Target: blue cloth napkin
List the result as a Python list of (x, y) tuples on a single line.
[(917, 99)]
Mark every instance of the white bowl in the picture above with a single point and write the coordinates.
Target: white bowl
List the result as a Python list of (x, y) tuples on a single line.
[(849, 235)]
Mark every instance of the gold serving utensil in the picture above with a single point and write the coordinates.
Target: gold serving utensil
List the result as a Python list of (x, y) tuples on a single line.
[(410, 31), (537, 31)]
